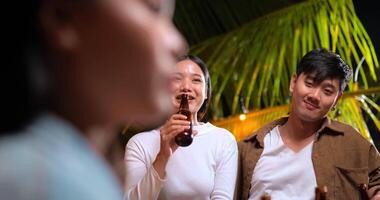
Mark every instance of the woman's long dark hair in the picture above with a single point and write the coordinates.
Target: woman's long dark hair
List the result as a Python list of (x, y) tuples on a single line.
[(203, 110)]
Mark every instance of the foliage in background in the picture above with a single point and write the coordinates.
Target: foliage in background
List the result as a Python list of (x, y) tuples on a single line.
[(254, 62)]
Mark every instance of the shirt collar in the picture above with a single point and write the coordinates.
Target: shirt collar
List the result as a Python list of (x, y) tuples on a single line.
[(328, 124), (335, 127)]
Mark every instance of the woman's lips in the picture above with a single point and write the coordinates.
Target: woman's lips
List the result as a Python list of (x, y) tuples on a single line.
[(189, 97)]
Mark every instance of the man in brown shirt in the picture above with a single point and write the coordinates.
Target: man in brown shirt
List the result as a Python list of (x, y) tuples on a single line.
[(336, 155)]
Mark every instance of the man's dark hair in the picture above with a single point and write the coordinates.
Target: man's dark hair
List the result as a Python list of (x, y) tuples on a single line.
[(323, 64), (202, 111)]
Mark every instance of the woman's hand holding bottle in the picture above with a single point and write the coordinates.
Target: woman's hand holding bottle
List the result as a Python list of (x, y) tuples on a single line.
[(175, 125)]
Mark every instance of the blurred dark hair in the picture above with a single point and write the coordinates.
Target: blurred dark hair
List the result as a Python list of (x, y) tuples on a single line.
[(22, 36), (323, 64), (203, 110)]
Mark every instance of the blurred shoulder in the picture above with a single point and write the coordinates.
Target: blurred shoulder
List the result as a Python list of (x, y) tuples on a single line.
[(22, 163), (145, 138)]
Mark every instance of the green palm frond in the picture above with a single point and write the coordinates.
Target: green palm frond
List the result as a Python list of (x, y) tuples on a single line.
[(368, 106), (256, 60)]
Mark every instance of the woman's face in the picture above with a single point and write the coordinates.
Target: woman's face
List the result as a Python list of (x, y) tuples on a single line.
[(123, 55), (189, 79)]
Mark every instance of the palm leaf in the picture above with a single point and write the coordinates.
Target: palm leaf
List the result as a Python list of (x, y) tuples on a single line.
[(256, 60)]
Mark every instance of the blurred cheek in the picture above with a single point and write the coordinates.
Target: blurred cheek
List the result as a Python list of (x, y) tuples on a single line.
[(174, 87), (126, 64)]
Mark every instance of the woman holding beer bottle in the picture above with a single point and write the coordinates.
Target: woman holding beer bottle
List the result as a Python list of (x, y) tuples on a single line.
[(184, 158)]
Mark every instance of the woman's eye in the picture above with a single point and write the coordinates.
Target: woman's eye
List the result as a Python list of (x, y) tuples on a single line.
[(154, 7), (176, 78), (161, 7)]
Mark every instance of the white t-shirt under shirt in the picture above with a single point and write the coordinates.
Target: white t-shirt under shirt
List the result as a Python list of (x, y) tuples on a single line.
[(204, 170), (283, 173)]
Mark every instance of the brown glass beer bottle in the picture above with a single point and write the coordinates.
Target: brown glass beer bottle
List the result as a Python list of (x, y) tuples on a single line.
[(363, 192), (265, 197), (185, 138), (321, 193)]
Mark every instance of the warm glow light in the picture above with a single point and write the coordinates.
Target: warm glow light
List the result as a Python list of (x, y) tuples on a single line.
[(242, 117), (242, 125)]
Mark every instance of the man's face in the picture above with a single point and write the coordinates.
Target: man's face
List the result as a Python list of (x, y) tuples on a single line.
[(311, 101), (126, 52)]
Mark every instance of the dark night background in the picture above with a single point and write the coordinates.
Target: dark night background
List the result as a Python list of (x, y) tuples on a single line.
[(369, 14)]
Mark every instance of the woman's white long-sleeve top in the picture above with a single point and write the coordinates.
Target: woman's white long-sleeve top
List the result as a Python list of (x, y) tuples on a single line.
[(204, 170)]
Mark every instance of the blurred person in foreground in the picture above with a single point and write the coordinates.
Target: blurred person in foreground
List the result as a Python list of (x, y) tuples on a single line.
[(158, 168), (75, 71), (289, 157)]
